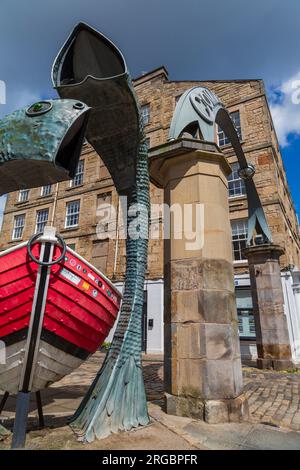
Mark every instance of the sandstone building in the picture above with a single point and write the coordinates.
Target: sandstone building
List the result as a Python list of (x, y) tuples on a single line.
[(72, 206)]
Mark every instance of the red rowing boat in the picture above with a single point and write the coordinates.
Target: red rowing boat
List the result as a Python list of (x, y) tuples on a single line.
[(52, 318)]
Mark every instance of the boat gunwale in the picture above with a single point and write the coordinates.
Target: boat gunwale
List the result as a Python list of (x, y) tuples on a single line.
[(81, 258)]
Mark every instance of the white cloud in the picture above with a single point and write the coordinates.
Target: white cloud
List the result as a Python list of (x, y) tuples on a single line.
[(18, 99), (24, 98), (285, 109)]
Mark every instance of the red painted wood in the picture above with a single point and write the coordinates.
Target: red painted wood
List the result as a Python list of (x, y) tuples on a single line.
[(81, 305)]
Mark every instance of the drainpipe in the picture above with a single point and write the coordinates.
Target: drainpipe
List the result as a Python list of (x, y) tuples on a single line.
[(54, 205)]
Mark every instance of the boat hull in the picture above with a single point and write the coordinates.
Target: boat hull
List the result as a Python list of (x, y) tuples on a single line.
[(81, 308)]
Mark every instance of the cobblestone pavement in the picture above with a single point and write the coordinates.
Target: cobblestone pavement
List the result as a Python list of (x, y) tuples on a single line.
[(274, 397)]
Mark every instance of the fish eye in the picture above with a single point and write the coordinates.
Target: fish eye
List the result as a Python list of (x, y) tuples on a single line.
[(41, 107)]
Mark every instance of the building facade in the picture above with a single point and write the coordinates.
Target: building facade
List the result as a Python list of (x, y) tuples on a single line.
[(87, 209)]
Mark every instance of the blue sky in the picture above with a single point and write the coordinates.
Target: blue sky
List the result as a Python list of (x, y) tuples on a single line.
[(194, 39)]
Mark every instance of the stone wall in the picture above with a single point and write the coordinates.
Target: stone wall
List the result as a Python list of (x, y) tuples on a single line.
[(259, 143)]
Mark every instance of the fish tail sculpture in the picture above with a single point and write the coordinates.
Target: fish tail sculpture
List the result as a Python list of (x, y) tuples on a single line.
[(90, 68), (117, 400)]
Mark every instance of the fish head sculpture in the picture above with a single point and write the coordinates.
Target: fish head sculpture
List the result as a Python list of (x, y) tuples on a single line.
[(90, 68), (197, 113), (41, 144)]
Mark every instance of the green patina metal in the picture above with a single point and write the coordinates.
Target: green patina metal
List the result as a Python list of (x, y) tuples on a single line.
[(116, 400), (41, 144), (196, 113), (91, 69)]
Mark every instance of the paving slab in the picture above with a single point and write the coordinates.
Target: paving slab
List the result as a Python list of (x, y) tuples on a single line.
[(274, 399), (155, 436), (229, 436)]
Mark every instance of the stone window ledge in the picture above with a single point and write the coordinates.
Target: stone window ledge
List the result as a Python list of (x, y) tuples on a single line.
[(70, 188), (237, 263), (49, 196), (237, 198), (20, 203), (70, 229)]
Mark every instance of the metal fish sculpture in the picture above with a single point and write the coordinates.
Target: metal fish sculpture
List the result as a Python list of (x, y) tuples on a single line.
[(90, 68), (196, 113), (41, 144)]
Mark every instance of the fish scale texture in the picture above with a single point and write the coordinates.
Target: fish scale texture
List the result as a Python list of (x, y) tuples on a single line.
[(116, 399)]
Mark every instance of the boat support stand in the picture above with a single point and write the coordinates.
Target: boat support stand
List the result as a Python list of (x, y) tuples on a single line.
[(23, 401), (48, 239)]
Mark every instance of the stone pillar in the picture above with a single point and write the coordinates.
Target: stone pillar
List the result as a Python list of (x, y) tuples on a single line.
[(272, 338), (203, 377)]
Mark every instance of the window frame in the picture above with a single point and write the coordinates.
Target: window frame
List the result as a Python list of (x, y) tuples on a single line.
[(146, 121), (21, 192), (238, 179), (68, 204), (48, 193), (15, 227), (79, 175), (238, 129), (37, 222), (243, 239), (245, 313), (246, 317)]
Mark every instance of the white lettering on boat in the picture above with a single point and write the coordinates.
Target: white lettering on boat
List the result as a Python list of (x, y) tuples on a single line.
[(70, 276)]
